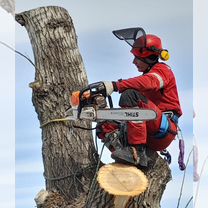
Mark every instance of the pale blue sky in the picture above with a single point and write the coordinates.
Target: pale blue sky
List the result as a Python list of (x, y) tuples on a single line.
[(7, 112), (106, 58), (200, 94)]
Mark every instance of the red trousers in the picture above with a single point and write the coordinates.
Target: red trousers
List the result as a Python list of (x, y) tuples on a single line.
[(143, 133)]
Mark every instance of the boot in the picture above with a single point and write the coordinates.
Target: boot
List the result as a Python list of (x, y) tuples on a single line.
[(125, 155), (112, 141), (133, 155)]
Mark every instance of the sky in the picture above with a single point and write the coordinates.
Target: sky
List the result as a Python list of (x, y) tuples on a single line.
[(200, 89), (7, 112), (107, 58)]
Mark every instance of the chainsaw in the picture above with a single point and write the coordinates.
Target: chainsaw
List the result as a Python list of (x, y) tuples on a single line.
[(90, 103)]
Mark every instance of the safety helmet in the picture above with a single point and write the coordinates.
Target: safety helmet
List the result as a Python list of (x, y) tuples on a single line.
[(153, 46), (144, 46)]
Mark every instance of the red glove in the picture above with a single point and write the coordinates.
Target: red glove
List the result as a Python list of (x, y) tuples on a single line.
[(104, 128)]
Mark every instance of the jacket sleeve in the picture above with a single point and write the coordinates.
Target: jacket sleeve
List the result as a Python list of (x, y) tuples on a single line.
[(151, 81)]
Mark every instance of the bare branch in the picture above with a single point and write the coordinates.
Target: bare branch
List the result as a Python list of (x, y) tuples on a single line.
[(21, 54)]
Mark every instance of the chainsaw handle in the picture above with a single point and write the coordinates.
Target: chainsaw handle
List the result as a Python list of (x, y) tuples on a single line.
[(94, 89), (80, 106), (85, 89)]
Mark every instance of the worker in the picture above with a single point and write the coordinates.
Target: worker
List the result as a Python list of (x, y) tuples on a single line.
[(154, 89)]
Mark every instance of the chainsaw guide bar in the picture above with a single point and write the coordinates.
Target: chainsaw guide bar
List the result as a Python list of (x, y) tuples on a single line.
[(121, 114)]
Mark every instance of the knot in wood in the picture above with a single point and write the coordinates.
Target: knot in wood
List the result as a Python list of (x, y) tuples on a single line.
[(57, 23)]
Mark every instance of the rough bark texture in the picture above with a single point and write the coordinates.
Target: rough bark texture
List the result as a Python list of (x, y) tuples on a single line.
[(69, 155)]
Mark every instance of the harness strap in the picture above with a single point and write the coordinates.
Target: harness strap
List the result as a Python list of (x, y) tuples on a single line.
[(165, 125)]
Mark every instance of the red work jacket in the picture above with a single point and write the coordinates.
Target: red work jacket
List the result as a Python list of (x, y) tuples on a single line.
[(158, 85)]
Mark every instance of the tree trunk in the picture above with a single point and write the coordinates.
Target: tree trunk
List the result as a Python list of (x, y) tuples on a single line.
[(69, 155)]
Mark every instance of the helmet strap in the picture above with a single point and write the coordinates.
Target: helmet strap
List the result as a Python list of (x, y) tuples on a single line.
[(149, 61)]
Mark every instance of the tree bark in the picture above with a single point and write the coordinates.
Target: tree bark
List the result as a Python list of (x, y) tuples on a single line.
[(69, 155)]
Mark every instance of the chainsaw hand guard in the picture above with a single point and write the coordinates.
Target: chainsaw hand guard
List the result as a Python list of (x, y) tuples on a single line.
[(97, 88), (89, 95)]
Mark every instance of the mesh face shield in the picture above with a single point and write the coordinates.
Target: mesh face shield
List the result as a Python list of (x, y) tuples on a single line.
[(130, 35), (137, 39)]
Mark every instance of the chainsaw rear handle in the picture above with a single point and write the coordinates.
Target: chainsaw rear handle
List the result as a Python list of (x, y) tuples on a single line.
[(110, 101)]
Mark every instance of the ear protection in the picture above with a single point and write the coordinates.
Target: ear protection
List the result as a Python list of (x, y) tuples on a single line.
[(163, 53)]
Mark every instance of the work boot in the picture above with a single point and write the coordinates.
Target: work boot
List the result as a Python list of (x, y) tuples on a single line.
[(125, 155), (112, 141), (130, 154)]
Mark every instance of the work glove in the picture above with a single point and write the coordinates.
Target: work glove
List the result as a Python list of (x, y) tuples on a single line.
[(100, 87), (104, 128), (108, 87)]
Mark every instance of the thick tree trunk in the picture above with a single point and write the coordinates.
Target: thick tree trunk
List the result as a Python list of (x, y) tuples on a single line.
[(67, 152), (69, 155)]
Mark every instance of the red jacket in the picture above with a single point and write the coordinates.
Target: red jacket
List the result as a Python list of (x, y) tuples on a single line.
[(158, 85)]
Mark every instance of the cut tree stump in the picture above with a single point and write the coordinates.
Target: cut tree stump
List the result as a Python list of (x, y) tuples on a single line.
[(122, 181)]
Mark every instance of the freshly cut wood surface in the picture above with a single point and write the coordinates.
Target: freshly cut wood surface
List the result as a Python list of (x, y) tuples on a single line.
[(122, 180)]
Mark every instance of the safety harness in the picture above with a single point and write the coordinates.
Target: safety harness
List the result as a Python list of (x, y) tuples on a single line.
[(165, 128), (165, 125)]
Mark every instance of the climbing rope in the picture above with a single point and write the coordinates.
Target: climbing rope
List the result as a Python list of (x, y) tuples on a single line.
[(17, 52), (184, 175), (92, 189), (198, 184), (65, 119), (77, 173), (189, 201), (96, 142)]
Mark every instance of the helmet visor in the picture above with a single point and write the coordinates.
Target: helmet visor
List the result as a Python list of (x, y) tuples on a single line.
[(132, 34)]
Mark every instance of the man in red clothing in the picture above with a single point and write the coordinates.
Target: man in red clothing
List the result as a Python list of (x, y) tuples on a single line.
[(155, 89)]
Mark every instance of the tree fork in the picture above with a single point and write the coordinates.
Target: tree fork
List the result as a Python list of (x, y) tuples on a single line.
[(69, 155)]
